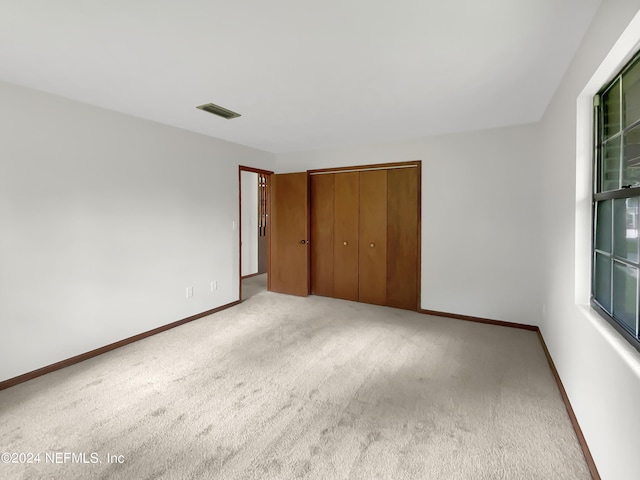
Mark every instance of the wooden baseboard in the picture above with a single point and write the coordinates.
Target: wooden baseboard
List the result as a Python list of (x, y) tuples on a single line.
[(479, 320), (574, 421), (252, 275), (107, 348)]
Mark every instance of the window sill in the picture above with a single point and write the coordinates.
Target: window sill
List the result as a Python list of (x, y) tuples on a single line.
[(628, 353)]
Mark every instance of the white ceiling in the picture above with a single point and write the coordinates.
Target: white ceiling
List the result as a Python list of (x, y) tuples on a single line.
[(303, 74)]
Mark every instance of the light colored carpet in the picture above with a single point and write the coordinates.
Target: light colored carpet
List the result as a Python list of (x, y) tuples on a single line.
[(282, 387)]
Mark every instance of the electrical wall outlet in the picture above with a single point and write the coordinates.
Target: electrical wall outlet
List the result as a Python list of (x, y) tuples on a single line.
[(189, 292), (214, 285)]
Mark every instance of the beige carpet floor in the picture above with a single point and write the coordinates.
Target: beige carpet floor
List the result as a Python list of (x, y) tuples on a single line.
[(282, 387)]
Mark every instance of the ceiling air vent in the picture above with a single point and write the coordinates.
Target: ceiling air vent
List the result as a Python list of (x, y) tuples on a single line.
[(218, 110)]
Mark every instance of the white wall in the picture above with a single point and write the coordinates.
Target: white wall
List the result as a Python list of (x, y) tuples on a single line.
[(105, 220), (249, 192), (599, 370), (480, 217)]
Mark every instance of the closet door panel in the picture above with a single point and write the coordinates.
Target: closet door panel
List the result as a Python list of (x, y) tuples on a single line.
[(345, 249), (402, 238), (322, 234), (373, 237)]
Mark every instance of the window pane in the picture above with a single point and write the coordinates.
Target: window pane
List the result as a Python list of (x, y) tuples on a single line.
[(602, 281), (631, 173), (625, 228), (611, 111), (604, 225), (625, 292), (610, 172), (631, 94)]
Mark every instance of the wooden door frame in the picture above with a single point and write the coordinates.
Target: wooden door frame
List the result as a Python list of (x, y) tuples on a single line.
[(387, 166), (267, 173)]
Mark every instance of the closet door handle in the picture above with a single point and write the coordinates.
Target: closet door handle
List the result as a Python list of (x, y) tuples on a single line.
[(372, 244), (345, 243), (303, 242)]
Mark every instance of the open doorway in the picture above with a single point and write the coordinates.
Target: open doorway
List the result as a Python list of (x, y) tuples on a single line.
[(254, 231)]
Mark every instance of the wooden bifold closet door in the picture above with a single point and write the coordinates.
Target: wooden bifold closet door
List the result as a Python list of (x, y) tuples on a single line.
[(402, 238), (373, 237), (345, 236), (322, 234), (364, 236)]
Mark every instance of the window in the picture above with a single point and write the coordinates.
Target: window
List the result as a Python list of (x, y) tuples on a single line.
[(616, 202)]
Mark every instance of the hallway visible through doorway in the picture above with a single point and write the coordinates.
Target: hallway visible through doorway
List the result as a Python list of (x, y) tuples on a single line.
[(254, 285), (254, 226)]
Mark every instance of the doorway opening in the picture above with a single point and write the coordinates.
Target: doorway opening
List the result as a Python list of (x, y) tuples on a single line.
[(254, 188)]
